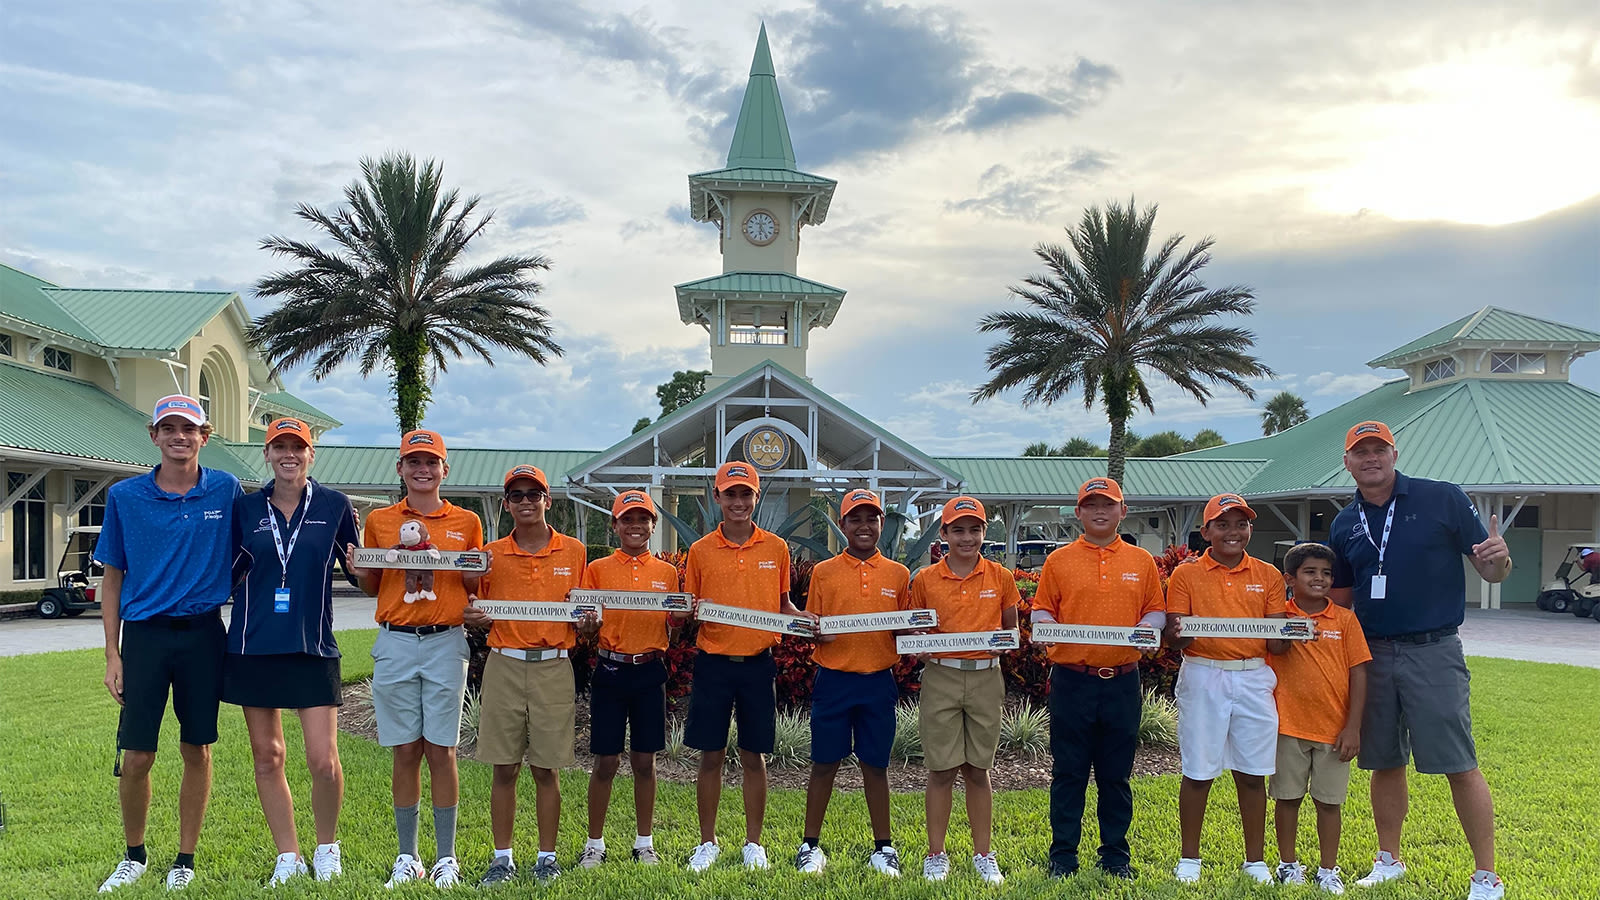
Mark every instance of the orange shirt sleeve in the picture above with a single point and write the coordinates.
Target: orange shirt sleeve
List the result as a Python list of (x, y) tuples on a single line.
[(1179, 600), (1048, 596), (691, 571), (1010, 595), (1277, 602), (1356, 650), (903, 586), (784, 564), (1153, 601)]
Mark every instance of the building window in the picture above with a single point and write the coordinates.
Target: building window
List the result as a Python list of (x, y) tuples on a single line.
[(205, 393), (57, 359), (766, 335), (1516, 363), (90, 514), (1439, 368), (27, 529), (5, 345), (1527, 517)]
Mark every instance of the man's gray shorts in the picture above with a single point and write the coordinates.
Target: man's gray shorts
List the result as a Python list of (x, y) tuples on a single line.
[(418, 682), (1417, 706)]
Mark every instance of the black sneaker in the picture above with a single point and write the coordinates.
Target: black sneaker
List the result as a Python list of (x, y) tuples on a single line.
[(500, 871), (1122, 870), (547, 869), (1063, 870)]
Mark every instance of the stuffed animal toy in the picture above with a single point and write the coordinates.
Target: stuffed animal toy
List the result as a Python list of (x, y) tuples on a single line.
[(419, 582)]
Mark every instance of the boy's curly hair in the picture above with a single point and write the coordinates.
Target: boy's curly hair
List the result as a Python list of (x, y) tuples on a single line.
[(1299, 553)]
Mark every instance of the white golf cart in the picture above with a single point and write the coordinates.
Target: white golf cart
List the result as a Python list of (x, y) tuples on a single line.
[(75, 588), (1574, 589)]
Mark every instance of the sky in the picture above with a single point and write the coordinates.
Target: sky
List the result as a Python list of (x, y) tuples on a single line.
[(1370, 170)]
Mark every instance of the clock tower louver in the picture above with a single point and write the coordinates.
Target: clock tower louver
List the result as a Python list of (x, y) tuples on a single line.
[(759, 308)]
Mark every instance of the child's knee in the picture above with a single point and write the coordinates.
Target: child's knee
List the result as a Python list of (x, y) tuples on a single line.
[(1252, 783)]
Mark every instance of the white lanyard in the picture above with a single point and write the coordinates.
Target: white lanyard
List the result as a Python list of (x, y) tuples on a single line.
[(277, 539), (1388, 525)]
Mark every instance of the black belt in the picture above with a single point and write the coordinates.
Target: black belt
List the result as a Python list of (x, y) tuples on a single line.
[(1420, 637), (182, 623), (419, 630), (1106, 672)]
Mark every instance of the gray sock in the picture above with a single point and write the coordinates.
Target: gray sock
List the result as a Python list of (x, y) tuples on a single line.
[(405, 828), (444, 831)]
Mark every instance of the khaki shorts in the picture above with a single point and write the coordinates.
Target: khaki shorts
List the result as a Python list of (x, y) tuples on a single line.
[(1301, 763), (527, 711), (959, 715)]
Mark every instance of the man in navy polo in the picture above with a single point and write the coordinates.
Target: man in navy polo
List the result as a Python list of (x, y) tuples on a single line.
[(1399, 545), (165, 548)]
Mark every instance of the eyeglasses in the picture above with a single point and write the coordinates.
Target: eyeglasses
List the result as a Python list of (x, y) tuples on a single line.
[(533, 496)]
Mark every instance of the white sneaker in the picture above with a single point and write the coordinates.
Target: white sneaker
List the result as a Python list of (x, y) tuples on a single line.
[(591, 857), (936, 866), (325, 863), (1330, 880), (446, 872), (289, 865), (704, 855), (810, 860), (988, 867), (1188, 870), (1383, 870), (126, 872), (886, 861), (178, 877), (1259, 871), (1290, 873), (755, 856), (406, 868), (1494, 889)]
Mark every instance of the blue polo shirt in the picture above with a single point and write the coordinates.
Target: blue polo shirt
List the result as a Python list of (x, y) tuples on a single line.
[(1435, 525), (172, 548), (326, 526)]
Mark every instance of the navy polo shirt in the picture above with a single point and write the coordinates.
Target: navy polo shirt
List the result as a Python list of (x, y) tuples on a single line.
[(1435, 525), (172, 548), (325, 528)]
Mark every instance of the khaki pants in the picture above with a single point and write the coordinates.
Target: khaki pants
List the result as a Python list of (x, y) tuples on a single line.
[(527, 710)]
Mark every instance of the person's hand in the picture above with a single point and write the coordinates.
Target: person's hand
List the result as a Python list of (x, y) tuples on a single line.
[(1493, 548), (1150, 632), (587, 624), (357, 572), (1174, 626), (1348, 743), (113, 679), (474, 616), (816, 623)]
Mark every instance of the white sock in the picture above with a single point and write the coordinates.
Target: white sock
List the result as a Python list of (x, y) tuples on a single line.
[(546, 854), (505, 855), (1324, 871), (598, 843), (642, 841), (1484, 876), (1387, 858)]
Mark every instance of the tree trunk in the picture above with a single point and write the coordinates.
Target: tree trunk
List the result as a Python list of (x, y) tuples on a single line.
[(408, 355), (1115, 452)]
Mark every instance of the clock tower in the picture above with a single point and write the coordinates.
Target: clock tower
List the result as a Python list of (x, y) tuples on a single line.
[(759, 308)]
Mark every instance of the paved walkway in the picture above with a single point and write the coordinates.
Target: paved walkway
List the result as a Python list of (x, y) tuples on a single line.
[(1529, 634)]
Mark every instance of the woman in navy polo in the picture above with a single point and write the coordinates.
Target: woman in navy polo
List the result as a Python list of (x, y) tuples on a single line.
[(281, 651)]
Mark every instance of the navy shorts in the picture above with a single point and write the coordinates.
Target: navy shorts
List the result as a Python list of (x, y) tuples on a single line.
[(853, 712), (180, 654), (631, 698), (725, 690)]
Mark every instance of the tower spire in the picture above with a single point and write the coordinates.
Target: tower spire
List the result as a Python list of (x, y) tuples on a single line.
[(761, 137)]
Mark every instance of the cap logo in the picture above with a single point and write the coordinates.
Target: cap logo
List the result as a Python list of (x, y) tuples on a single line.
[(1228, 500), (1097, 486), (289, 425), (1366, 429), (738, 472), (632, 498), (420, 439), (529, 471), (964, 504), (862, 495)]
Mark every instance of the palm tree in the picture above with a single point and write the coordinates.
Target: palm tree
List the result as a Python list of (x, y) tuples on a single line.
[(393, 290), (1103, 313), (1283, 411)]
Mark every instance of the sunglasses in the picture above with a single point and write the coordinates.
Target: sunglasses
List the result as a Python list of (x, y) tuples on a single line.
[(533, 496)]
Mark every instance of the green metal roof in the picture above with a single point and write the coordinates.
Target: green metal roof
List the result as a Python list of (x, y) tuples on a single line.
[(765, 176), (759, 283), (1475, 432), (1002, 477), (113, 319), (471, 469), (1492, 325), (761, 137), (299, 408), (48, 413), (23, 296)]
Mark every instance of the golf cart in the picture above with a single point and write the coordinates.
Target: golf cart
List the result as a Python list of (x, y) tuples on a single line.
[(75, 589), (1574, 589)]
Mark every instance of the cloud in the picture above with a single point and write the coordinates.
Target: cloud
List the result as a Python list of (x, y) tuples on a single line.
[(1034, 195), (544, 213), (1325, 384), (1065, 93)]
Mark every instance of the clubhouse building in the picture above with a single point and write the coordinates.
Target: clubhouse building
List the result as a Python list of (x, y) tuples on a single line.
[(1485, 402)]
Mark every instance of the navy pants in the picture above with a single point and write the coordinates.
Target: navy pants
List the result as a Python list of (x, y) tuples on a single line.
[(1094, 726)]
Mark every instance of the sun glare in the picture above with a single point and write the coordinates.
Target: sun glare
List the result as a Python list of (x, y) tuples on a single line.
[(1482, 142)]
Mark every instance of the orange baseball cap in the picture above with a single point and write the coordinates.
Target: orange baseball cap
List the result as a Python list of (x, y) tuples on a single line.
[(526, 471), (423, 441), (632, 500), (859, 497), (733, 472), (1221, 503), (1104, 487), (961, 508), (289, 427), (1363, 430)]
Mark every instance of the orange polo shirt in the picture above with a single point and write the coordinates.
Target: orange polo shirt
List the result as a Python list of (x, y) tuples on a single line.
[(545, 577), (846, 586), (1086, 584), (1313, 690), (1251, 590), (754, 575), (973, 603), (450, 528), (632, 631)]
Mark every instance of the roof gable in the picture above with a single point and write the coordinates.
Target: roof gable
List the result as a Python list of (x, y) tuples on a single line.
[(141, 320), (1489, 326)]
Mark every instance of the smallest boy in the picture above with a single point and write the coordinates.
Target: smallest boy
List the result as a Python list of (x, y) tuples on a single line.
[(528, 709), (1227, 718), (963, 692), (1322, 692), (853, 699)]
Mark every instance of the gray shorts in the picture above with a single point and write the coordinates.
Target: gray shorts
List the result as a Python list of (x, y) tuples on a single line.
[(1417, 707), (418, 682)]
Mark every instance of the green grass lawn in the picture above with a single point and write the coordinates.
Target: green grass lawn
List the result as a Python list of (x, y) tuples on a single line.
[(1536, 725)]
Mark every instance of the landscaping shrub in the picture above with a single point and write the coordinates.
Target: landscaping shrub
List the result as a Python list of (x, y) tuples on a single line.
[(471, 713), (1025, 730), (1158, 721), (907, 746)]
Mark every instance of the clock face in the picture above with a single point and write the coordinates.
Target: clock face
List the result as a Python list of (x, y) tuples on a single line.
[(760, 228)]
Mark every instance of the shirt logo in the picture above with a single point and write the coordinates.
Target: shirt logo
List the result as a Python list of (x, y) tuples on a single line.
[(561, 570), (1330, 635), (213, 515), (987, 593), (767, 564), (1255, 589), (658, 585), (455, 535), (264, 523), (1130, 576), (889, 592)]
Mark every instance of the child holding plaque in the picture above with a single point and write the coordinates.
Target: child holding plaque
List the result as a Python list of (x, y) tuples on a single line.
[(527, 709), (963, 692), (1095, 704), (628, 690), (1227, 718), (853, 699)]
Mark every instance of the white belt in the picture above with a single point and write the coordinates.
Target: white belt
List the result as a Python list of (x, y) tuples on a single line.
[(970, 665), (1232, 665), (532, 655)]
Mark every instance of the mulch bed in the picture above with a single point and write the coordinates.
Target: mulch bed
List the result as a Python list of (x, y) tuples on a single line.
[(1011, 772)]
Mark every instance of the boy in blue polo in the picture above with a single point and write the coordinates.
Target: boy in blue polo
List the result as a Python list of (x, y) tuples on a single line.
[(166, 552)]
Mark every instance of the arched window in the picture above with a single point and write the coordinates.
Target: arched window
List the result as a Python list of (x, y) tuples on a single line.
[(205, 394)]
